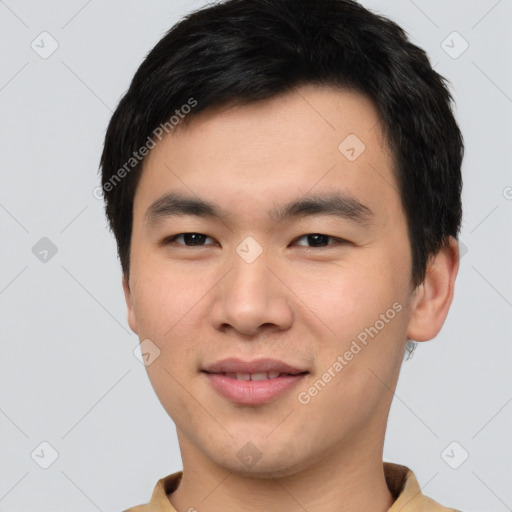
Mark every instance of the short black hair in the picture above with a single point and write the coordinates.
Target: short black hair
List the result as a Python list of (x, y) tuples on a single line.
[(242, 51)]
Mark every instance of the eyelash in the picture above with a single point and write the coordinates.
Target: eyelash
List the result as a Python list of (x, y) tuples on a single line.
[(171, 240)]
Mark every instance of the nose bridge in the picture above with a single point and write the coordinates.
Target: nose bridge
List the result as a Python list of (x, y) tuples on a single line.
[(250, 295), (248, 285)]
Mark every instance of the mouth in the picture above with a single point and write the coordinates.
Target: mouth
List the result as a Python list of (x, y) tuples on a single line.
[(253, 389), (259, 376), (255, 382), (260, 369)]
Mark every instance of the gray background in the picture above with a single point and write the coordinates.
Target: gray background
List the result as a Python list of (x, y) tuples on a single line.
[(69, 376)]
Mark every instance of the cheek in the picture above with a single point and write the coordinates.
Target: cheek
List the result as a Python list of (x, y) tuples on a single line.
[(357, 367), (170, 388), (162, 301), (364, 313), (170, 313), (347, 300), (165, 308)]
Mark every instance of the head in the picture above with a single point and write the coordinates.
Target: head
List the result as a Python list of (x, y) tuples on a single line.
[(241, 109)]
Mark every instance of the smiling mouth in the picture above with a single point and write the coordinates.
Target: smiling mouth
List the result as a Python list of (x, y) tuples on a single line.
[(253, 389), (257, 376)]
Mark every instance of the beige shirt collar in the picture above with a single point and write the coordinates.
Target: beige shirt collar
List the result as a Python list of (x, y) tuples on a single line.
[(401, 482)]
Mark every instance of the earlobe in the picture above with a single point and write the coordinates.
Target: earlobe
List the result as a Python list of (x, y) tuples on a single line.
[(129, 305), (434, 296)]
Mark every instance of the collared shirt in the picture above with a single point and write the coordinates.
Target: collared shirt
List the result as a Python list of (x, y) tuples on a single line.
[(400, 480)]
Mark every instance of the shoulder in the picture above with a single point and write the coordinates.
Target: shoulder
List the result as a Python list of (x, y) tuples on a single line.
[(408, 496), (159, 500)]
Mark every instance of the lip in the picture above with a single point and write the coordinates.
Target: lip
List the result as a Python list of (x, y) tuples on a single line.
[(252, 392), (236, 365)]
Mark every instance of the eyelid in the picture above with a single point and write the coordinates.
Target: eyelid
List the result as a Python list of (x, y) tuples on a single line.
[(337, 240), (171, 239)]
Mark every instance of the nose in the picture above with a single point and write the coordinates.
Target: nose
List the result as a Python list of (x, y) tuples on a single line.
[(251, 298)]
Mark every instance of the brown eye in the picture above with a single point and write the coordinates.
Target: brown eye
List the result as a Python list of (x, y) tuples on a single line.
[(320, 240), (188, 239)]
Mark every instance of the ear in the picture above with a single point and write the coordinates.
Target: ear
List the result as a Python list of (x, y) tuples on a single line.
[(132, 322), (433, 298)]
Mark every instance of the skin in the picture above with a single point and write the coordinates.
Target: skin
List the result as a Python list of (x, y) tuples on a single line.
[(296, 302)]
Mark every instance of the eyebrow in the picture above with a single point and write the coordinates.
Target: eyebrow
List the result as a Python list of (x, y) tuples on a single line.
[(338, 204)]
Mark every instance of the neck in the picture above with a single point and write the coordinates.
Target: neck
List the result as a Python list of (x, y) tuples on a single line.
[(347, 481)]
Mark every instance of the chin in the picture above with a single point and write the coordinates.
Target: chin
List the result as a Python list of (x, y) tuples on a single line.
[(260, 459), (276, 468)]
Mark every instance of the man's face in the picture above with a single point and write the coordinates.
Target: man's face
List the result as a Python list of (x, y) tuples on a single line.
[(256, 286)]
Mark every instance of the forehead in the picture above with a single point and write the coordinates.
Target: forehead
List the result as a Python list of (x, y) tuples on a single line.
[(313, 139)]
